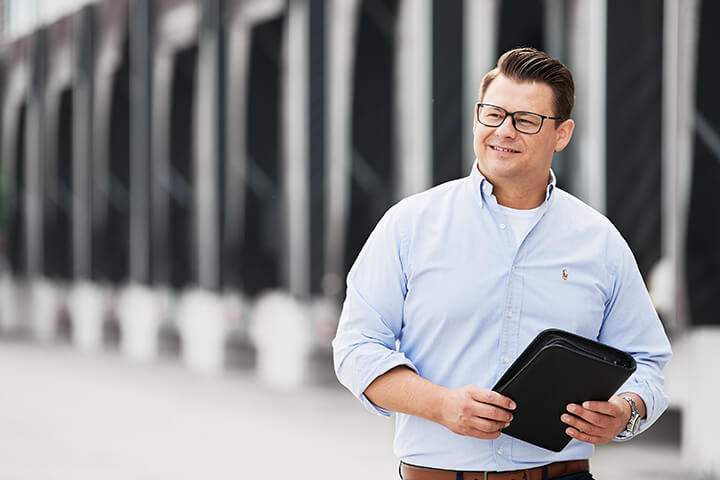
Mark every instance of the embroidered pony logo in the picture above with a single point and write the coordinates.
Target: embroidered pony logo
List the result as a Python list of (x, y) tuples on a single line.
[(564, 274)]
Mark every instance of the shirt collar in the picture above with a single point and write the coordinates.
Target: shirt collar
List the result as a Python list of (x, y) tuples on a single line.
[(483, 188)]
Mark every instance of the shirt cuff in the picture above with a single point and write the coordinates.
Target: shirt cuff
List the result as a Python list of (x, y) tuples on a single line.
[(653, 407)]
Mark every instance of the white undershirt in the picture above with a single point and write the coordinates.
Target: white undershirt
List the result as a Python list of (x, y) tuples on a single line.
[(521, 221)]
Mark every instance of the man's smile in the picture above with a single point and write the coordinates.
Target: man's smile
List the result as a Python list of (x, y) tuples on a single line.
[(498, 148)]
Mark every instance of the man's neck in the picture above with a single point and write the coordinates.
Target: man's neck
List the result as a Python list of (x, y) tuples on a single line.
[(519, 199), (520, 195)]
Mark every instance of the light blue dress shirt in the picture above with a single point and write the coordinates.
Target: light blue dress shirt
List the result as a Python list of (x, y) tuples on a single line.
[(442, 287)]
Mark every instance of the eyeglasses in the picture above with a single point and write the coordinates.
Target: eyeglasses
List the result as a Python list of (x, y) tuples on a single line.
[(524, 122)]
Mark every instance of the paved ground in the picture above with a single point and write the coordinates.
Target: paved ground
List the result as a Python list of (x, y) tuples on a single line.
[(64, 415)]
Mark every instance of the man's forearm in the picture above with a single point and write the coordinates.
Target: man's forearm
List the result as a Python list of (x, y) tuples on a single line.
[(402, 390), (468, 410)]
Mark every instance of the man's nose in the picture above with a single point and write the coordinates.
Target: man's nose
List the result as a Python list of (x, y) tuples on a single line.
[(506, 129)]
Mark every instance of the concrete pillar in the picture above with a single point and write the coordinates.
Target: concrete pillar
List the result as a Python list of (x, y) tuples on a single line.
[(588, 34), (140, 134), (340, 48), (34, 156), (681, 25), (480, 38), (14, 93), (702, 353), (201, 317), (295, 172), (413, 97), (44, 294)]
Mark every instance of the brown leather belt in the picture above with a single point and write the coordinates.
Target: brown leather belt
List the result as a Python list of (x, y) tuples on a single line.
[(558, 469)]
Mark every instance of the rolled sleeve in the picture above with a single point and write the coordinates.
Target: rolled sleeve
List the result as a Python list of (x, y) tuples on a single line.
[(372, 316), (655, 402), (632, 325)]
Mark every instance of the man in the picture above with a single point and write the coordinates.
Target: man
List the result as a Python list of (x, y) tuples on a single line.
[(454, 282)]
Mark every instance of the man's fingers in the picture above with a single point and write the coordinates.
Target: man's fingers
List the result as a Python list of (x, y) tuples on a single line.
[(581, 425), (477, 412), (484, 395), (590, 416), (585, 437), (486, 425), (606, 408), (491, 412)]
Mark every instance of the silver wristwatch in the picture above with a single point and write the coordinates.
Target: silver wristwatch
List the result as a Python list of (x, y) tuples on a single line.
[(634, 423)]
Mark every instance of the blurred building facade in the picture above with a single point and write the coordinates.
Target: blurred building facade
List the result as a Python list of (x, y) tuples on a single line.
[(188, 156)]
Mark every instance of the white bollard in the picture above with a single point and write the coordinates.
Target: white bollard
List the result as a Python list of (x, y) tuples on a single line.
[(87, 315), (203, 328), (139, 315), (45, 304), (325, 313), (701, 417), (280, 328), (9, 315)]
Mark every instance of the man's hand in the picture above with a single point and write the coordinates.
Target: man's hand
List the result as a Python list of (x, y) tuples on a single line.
[(599, 422), (476, 412)]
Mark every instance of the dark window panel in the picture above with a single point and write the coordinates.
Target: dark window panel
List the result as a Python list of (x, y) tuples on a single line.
[(447, 91), (703, 234), (261, 250), (634, 125), (372, 162)]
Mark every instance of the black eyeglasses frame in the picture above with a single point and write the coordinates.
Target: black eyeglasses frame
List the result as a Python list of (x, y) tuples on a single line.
[(512, 117)]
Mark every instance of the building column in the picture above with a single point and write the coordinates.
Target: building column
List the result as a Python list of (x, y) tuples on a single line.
[(295, 172), (35, 152), (588, 34), (342, 30), (681, 24), (140, 134), (413, 98), (480, 55), (207, 149)]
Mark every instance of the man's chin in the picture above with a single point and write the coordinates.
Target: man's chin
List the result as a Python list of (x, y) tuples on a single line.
[(502, 169)]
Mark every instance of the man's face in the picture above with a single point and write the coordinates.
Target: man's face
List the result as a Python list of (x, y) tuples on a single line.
[(524, 160)]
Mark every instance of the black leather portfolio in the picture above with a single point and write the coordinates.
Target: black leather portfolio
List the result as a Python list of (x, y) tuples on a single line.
[(558, 368)]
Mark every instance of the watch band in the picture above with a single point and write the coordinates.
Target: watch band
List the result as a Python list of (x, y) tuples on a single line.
[(634, 422)]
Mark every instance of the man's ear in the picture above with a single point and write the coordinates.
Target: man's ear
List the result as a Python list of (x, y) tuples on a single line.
[(563, 134)]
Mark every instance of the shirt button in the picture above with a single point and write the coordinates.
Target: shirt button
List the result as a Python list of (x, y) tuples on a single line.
[(509, 314), (506, 360), (502, 226), (500, 451), (512, 269)]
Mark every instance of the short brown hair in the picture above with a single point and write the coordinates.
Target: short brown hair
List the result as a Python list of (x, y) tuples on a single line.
[(532, 65)]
